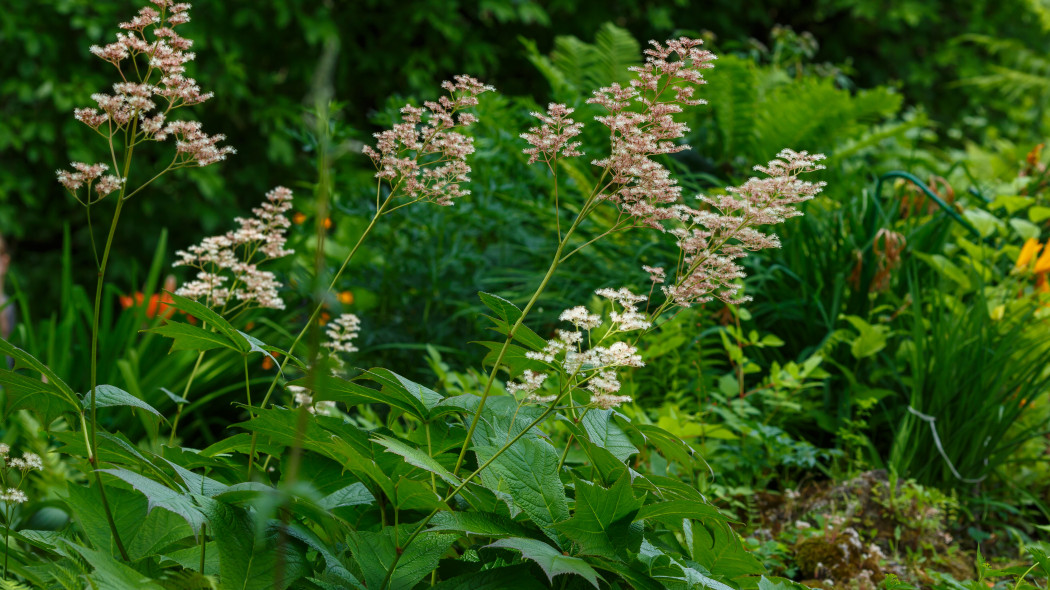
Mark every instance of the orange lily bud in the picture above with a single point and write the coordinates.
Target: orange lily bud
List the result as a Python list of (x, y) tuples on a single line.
[(1030, 249)]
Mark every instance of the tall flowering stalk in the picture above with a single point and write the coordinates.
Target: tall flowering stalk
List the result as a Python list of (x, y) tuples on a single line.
[(11, 493), (711, 237), (421, 159), (150, 58)]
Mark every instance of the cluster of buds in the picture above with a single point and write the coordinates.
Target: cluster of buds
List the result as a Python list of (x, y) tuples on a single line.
[(342, 332), (302, 397), (593, 367), (151, 58), (554, 137), (712, 240), (642, 125), (26, 463), (237, 255), (425, 155)]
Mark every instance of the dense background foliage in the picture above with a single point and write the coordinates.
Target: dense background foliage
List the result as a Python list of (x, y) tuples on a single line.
[(889, 333)]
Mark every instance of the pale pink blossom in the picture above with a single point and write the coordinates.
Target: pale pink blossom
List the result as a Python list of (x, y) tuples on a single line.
[(553, 137), (424, 155), (228, 264)]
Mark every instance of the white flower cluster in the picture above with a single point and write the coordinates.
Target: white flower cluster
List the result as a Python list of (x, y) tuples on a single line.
[(342, 332), (217, 258), (593, 367), (303, 398), (26, 463)]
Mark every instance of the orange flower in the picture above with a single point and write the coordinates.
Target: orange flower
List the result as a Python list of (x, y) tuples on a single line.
[(1030, 249), (346, 297), (298, 218), (1042, 264), (328, 223)]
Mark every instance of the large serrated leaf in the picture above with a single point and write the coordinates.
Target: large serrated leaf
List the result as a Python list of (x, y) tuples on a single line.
[(247, 561), (603, 431), (551, 560), (375, 554), (160, 496), (213, 319), (108, 396), (715, 546), (42, 398), (485, 524), (418, 458), (24, 359), (190, 337), (674, 511), (602, 519), (528, 471)]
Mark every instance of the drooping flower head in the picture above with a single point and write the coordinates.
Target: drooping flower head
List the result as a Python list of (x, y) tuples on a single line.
[(425, 155)]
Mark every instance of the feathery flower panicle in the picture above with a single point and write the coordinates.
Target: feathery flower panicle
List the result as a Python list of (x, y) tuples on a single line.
[(150, 58), (553, 137), (642, 125), (13, 496), (28, 462), (425, 155), (593, 368), (342, 332), (234, 254), (712, 241)]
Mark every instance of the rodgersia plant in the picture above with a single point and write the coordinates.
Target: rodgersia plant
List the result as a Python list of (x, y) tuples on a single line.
[(532, 476)]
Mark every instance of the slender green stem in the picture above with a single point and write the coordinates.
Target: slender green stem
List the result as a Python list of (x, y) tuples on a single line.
[(513, 329), (204, 541), (185, 392)]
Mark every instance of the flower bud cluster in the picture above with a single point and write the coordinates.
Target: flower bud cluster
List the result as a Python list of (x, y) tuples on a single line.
[(342, 332), (237, 254), (712, 240), (150, 58), (642, 125), (593, 368), (553, 137), (424, 155), (26, 463)]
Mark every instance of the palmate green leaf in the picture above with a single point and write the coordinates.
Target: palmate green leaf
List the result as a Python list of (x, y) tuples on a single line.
[(375, 554), (28, 393), (716, 547), (501, 420), (160, 496), (24, 359), (782, 584), (528, 471), (485, 524), (329, 437), (85, 506), (213, 319), (418, 458), (248, 561), (110, 574), (160, 530), (609, 468), (603, 431), (507, 311), (602, 519), (635, 578), (672, 574), (396, 391), (496, 578), (355, 494), (672, 512), (413, 494), (189, 337), (334, 568), (551, 560), (108, 396)]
